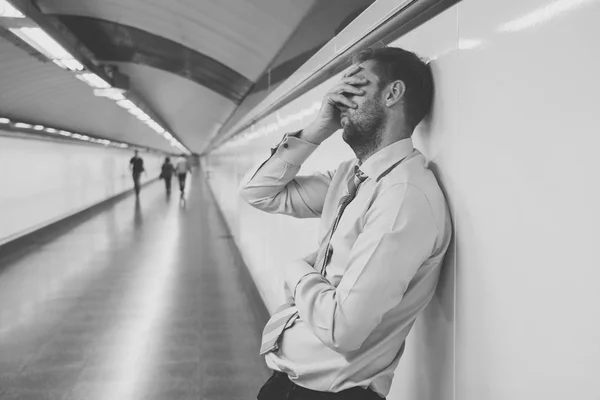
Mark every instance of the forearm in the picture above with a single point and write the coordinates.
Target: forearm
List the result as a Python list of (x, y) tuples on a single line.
[(273, 186)]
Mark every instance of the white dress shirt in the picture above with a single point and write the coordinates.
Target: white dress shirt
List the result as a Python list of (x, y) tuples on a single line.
[(182, 165), (384, 268)]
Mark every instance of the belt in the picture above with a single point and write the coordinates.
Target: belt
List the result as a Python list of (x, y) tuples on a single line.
[(355, 393)]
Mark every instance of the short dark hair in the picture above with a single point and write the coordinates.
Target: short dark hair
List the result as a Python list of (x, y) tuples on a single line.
[(394, 63)]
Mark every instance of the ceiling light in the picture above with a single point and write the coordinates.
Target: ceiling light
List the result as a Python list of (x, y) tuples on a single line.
[(112, 93), (8, 11), (4, 121), (43, 43), (143, 117), (38, 128), (50, 130), (70, 64), (135, 111), (156, 127), (22, 125), (468, 44), (542, 15), (65, 133), (126, 104), (93, 80)]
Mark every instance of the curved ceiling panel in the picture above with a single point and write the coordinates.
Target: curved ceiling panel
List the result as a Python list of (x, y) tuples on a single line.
[(112, 42), (44, 93), (244, 35), (192, 111)]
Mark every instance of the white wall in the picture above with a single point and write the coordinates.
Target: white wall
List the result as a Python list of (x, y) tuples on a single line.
[(512, 138), (44, 181)]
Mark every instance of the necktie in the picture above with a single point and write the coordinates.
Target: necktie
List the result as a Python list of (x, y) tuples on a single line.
[(286, 315), (324, 254)]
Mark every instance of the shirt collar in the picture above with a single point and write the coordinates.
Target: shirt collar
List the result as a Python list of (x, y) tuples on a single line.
[(386, 158)]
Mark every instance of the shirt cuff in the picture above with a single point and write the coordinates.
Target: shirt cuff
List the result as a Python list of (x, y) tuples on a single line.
[(294, 151), (295, 273)]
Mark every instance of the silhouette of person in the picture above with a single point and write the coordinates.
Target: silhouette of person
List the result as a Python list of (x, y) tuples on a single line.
[(136, 166), (166, 173)]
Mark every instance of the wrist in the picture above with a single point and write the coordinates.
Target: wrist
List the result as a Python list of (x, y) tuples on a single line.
[(314, 134)]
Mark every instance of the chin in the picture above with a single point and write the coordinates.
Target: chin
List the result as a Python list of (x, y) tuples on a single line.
[(344, 134), (347, 133)]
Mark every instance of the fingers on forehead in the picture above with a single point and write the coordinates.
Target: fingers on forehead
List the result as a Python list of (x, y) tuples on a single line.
[(355, 80), (352, 70)]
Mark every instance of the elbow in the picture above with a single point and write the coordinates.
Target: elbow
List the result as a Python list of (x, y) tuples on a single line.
[(343, 341), (344, 345), (250, 196), (245, 192)]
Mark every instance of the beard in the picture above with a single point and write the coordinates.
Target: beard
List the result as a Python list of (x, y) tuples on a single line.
[(363, 128)]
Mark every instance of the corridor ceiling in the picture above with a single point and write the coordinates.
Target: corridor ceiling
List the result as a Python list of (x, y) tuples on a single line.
[(192, 62)]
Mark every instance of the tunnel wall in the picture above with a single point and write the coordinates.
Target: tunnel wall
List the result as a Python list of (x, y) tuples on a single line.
[(43, 181), (513, 140)]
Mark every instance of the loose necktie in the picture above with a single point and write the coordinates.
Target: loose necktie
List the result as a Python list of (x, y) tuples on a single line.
[(286, 315)]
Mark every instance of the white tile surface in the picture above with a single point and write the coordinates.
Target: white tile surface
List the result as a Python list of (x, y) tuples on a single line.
[(46, 181)]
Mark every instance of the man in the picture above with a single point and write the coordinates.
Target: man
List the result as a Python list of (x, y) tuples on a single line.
[(166, 173), (385, 228), (136, 166), (182, 166)]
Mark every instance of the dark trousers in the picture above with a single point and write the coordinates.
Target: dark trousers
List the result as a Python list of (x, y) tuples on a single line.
[(168, 183), (279, 387), (136, 182), (182, 181)]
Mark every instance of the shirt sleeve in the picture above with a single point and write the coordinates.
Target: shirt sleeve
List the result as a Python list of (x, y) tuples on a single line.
[(399, 235), (274, 187)]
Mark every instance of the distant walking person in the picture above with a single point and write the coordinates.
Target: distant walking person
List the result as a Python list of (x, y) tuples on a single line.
[(166, 173), (182, 166), (136, 166)]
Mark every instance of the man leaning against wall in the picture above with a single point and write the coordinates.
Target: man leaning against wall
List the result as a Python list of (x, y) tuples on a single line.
[(384, 229)]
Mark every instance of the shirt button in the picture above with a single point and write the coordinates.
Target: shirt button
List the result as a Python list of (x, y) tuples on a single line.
[(286, 145)]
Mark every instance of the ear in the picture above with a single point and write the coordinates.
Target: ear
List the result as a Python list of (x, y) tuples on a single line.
[(395, 93)]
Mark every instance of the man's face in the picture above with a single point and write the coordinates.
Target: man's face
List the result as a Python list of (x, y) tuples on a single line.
[(362, 124)]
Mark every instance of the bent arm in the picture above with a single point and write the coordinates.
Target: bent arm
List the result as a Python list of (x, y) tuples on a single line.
[(274, 187), (398, 237)]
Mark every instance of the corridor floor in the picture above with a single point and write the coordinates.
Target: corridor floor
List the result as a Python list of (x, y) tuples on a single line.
[(138, 300)]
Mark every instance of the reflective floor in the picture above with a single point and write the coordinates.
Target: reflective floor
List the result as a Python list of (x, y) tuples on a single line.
[(138, 300)]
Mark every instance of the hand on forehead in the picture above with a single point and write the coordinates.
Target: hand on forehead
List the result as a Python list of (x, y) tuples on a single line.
[(354, 76), (353, 71)]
